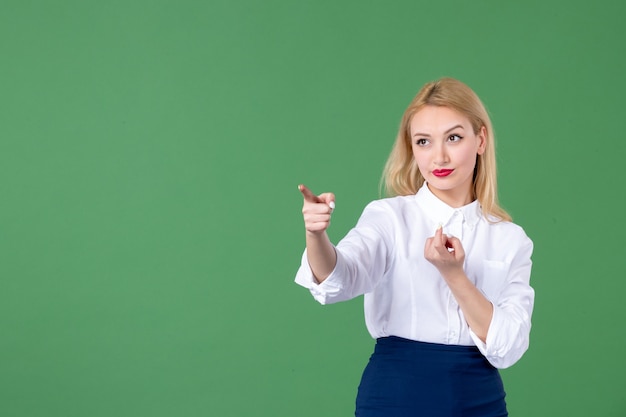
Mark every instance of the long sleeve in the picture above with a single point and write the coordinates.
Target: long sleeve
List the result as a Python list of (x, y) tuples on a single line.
[(362, 257), (509, 332)]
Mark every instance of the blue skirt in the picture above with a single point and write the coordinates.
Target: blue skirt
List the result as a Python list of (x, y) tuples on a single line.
[(405, 378)]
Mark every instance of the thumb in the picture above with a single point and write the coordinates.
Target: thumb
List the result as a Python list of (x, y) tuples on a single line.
[(453, 240), (308, 194), (454, 244), (329, 199)]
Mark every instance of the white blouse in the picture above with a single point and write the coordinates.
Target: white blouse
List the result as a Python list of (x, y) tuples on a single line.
[(383, 258)]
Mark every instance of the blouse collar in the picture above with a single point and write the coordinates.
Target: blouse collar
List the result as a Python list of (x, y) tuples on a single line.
[(442, 213)]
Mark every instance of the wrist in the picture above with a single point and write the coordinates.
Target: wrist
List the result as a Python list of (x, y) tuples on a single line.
[(454, 276)]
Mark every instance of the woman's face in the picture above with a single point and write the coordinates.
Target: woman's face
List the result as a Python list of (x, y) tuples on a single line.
[(445, 149)]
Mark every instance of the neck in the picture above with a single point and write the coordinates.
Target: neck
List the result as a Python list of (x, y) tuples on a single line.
[(453, 198)]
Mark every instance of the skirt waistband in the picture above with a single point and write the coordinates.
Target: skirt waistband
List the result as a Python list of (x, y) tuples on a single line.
[(396, 343)]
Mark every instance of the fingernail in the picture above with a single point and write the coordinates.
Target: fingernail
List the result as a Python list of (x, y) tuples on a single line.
[(439, 225), (331, 205)]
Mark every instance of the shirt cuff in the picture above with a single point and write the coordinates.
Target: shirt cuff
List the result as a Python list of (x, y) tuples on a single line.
[(325, 292), (500, 349)]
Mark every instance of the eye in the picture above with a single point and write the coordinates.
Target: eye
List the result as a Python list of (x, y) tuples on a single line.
[(454, 138), (421, 142)]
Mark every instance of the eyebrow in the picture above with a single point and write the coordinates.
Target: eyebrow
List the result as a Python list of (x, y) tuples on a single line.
[(447, 131)]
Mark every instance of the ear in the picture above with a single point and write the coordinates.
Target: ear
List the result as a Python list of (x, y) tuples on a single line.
[(482, 140)]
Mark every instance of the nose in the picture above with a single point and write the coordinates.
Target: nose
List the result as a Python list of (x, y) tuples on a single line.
[(440, 155)]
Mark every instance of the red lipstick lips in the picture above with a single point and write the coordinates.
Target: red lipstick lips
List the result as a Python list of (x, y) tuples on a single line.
[(442, 172)]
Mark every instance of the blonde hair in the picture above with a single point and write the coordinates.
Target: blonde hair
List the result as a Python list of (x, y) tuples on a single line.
[(401, 175)]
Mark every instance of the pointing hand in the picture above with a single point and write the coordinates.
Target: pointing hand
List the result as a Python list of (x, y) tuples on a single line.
[(316, 210)]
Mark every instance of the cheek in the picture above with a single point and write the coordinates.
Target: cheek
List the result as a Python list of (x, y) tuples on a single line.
[(422, 162), (469, 157), (418, 157)]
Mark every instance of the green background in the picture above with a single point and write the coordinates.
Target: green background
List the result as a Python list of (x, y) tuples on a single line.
[(150, 224)]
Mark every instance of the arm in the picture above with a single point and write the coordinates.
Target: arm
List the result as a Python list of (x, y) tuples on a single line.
[(358, 262), (317, 211), (509, 333), (447, 254), (501, 330)]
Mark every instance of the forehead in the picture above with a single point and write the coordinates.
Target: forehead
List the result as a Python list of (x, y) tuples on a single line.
[(434, 119)]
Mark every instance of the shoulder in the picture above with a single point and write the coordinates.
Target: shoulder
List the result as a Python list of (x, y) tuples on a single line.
[(507, 227), (388, 213), (392, 204), (506, 234)]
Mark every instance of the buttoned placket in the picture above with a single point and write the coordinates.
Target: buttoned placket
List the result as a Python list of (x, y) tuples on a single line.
[(454, 228)]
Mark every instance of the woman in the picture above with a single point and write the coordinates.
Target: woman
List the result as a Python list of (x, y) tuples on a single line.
[(444, 271)]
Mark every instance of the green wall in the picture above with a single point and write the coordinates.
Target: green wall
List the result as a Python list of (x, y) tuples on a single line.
[(150, 224)]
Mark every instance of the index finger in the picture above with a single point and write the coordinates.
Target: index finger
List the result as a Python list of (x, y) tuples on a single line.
[(308, 194)]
